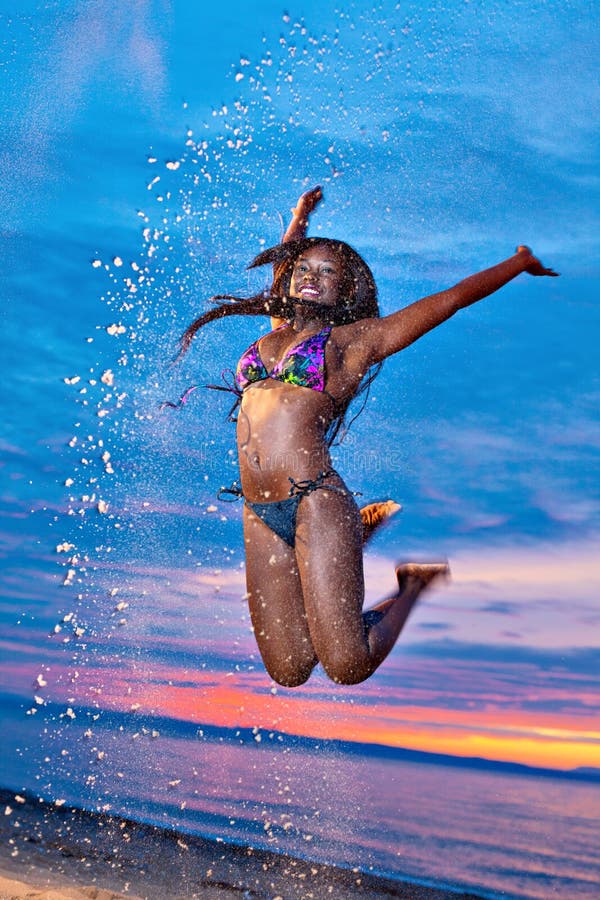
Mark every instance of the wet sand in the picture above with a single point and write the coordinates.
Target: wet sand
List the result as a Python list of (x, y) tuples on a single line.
[(50, 853)]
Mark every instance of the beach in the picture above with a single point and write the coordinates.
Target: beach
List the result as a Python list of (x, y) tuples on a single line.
[(150, 153), (55, 853)]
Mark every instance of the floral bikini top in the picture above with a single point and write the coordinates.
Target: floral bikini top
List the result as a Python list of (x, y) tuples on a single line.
[(302, 365)]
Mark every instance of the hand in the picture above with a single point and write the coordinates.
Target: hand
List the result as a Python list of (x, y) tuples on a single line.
[(533, 266), (307, 203)]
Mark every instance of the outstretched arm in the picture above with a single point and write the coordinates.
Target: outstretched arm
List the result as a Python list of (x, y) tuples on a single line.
[(298, 226), (381, 338)]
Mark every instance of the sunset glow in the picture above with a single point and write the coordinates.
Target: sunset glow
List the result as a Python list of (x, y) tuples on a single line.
[(150, 151)]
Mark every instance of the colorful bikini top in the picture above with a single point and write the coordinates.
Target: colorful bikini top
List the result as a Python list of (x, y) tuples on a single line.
[(302, 365)]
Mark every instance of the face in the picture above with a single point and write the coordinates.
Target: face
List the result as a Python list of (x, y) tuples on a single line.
[(317, 275)]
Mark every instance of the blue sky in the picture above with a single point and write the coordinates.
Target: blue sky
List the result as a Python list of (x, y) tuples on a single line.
[(443, 135)]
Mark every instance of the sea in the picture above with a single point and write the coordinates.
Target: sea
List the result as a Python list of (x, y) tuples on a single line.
[(147, 159), (497, 834)]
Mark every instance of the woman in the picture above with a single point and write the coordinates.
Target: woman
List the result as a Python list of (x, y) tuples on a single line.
[(303, 542)]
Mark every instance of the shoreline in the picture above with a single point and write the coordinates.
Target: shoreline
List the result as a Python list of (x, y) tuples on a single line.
[(51, 853)]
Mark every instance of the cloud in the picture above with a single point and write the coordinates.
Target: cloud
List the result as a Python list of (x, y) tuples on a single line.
[(559, 500), (435, 626), (565, 662), (485, 473), (100, 51), (186, 651), (503, 608)]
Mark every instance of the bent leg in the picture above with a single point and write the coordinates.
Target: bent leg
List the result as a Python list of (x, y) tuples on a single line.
[(276, 604), (386, 619), (349, 645)]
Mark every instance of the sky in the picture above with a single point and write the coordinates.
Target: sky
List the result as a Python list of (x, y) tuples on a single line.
[(151, 151)]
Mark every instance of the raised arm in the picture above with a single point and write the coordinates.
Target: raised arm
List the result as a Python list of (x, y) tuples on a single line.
[(297, 228), (308, 201), (380, 338)]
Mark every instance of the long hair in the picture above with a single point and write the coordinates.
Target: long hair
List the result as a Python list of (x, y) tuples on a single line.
[(357, 300)]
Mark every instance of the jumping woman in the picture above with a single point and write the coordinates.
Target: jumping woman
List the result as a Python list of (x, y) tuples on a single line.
[(303, 531)]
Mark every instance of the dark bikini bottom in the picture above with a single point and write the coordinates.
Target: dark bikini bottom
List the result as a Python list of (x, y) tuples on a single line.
[(280, 515)]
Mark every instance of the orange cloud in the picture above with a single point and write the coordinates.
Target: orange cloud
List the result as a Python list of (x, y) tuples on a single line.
[(244, 700)]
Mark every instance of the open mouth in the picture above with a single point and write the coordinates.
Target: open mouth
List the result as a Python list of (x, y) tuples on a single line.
[(308, 290)]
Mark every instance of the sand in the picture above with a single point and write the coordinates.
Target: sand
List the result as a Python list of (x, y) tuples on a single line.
[(49, 853)]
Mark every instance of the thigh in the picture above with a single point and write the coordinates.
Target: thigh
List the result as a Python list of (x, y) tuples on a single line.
[(276, 603), (329, 556)]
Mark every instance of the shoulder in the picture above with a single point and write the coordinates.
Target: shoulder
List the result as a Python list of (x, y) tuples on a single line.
[(273, 336), (269, 345), (348, 337), (351, 346)]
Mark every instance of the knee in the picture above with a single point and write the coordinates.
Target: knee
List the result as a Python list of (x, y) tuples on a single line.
[(287, 676), (344, 677), (290, 671), (345, 669)]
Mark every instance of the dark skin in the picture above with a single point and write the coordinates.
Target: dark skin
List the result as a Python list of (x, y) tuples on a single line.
[(306, 602)]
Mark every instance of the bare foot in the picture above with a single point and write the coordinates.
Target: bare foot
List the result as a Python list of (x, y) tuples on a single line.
[(424, 573), (534, 266), (375, 514)]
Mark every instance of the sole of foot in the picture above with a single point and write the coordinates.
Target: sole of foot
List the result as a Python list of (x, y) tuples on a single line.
[(424, 572), (375, 514)]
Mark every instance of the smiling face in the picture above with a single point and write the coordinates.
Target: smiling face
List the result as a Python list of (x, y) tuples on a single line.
[(317, 275)]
